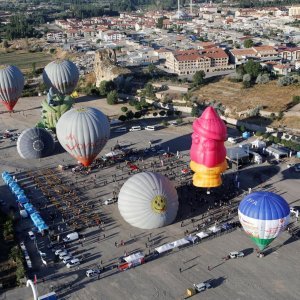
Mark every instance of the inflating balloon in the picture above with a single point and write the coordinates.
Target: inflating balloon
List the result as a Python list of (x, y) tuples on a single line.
[(208, 153), (11, 85), (148, 200), (62, 76), (263, 215), (35, 143), (83, 132)]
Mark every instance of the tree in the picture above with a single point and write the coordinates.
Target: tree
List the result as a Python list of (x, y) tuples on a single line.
[(162, 113), (149, 90), (154, 114), (195, 111), (34, 68), (246, 81), (262, 78), (129, 115), (105, 87), (138, 106), (160, 22), (252, 68), (285, 80), (151, 68), (170, 113), (5, 44), (198, 78), (137, 114), (124, 108), (112, 98), (122, 118), (248, 43)]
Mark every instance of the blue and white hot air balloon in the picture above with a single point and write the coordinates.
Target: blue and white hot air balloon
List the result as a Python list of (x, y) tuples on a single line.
[(263, 215)]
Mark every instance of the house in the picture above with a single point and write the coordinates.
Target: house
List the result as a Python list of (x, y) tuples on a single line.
[(282, 69), (240, 56), (290, 54)]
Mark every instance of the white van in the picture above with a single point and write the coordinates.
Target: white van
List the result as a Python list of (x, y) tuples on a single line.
[(121, 129), (74, 262), (152, 128), (135, 128), (71, 237)]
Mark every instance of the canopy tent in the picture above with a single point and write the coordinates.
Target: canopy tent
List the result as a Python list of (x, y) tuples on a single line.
[(172, 245), (134, 257), (191, 238), (214, 229), (22, 200), (202, 235), (30, 208)]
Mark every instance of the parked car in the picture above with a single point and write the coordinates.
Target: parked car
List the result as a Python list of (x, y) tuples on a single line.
[(236, 254), (31, 235), (92, 273), (202, 286), (67, 259), (151, 128), (135, 128), (74, 262), (58, 251), (63, 254), (111, 201), (71, 237)]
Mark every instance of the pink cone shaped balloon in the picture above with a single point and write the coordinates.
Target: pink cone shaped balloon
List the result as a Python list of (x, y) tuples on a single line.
[(208, 153)]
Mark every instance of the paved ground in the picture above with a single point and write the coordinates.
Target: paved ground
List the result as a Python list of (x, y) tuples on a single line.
[(275, 276)]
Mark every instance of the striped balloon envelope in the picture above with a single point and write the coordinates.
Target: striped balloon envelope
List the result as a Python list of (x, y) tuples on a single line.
[(263, 215)]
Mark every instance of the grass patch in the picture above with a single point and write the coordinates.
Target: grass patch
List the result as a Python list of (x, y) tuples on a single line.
[(24, 60), (232, 95)]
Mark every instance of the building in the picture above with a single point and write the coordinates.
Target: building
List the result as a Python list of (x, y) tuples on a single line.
[(260, 53), (188, 62), (237, 155), (277, 151), (294, 11), (290, 54)]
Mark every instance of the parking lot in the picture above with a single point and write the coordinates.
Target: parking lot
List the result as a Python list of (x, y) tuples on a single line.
[(273, 276)]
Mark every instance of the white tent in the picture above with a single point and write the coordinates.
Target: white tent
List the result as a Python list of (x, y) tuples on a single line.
[(164, 248), (214, 229), (202, 235), (134, 257)]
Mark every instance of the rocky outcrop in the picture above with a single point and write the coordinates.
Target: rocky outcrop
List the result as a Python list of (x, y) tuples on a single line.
[(106, 67)]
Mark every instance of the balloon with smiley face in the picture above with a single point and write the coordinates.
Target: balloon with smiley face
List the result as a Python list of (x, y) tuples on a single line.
[(208, 153), (148, 200)]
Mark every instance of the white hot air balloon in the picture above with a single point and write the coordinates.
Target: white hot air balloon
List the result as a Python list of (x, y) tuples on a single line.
[(83, 132), (61, 75), (11, 85), (148, 200)]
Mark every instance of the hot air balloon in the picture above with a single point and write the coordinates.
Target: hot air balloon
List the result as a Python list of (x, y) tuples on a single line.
[(54, 107), (35, 143), (83, 132), (62, 76), (11, 85), (208, 153), (148, 200), (263, 215)]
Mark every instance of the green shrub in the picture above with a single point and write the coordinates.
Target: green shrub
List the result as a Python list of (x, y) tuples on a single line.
[(124, 109)]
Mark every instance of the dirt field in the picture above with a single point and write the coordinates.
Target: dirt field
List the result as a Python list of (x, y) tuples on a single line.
[(24, 60), (232, 95)]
